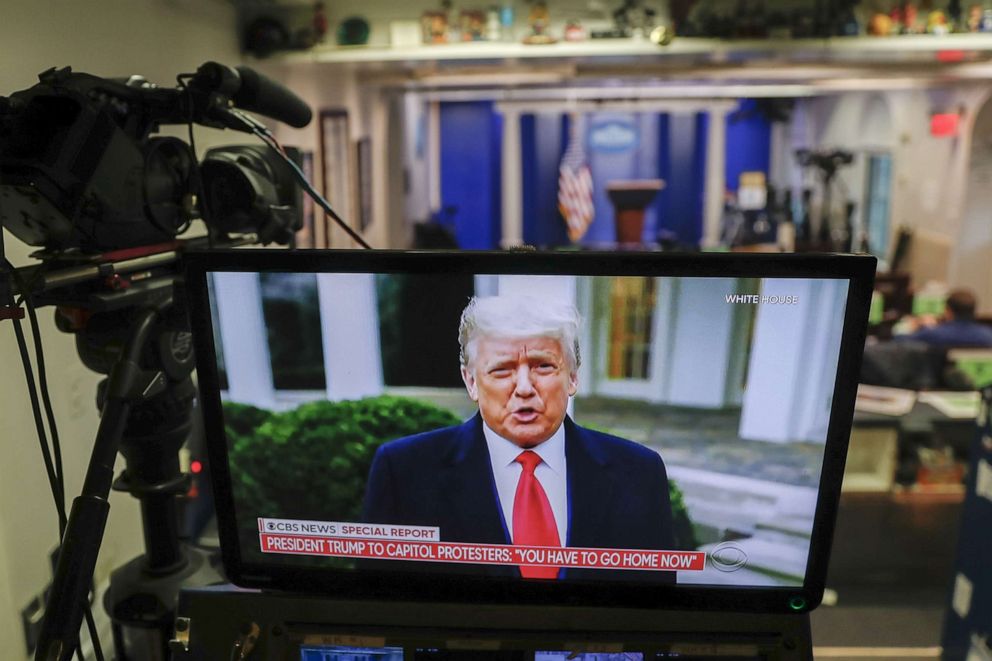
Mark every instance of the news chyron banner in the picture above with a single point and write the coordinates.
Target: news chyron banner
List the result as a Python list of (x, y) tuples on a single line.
[(422, 543)]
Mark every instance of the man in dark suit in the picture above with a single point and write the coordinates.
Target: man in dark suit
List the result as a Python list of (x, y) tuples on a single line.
[(521, 471)]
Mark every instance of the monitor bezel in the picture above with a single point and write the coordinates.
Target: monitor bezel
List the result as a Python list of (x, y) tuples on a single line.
[(858, 270)]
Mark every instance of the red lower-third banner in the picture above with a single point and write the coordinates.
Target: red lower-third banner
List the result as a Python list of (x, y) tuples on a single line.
[(484, 554)]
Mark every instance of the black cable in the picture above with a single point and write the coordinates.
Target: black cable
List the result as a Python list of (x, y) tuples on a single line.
[(56, 476), (94, 635), (308, 187), (46, 454), (39, 353), (197, 175), (261, 132)]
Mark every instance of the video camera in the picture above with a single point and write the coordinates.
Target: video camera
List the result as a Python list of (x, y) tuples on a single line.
[(80, 168), (84, 175)]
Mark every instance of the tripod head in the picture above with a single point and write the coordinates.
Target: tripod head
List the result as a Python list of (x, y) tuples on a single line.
[(827, 162)]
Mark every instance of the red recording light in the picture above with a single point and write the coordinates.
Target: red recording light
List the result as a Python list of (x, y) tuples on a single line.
[(943, 124), (196, 466)]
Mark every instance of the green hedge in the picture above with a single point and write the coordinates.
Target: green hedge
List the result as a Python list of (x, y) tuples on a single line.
[(312, 462)]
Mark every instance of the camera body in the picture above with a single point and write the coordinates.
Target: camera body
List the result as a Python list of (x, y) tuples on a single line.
[(81, 169)]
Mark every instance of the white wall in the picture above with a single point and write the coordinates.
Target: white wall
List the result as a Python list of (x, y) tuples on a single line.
[(929, 173), (971, 264), (326, 88), (155, 38), (793, 363)]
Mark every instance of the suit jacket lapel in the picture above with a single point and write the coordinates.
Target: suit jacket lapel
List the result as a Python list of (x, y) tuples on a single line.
[(590, 486), (467, 483)]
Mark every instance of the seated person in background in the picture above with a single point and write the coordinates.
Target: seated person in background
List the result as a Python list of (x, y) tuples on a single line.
[(955, 328)]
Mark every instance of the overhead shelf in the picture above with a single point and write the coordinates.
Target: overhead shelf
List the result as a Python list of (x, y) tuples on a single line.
[(901, 49)]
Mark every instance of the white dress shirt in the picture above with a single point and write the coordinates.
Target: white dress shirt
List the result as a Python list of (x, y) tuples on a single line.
[(550, 473)]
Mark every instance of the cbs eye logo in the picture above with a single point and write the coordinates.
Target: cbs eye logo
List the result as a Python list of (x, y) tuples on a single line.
[(272, 526)]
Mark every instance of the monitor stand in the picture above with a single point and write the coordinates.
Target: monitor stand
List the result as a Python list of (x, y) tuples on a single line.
[(223, 622)]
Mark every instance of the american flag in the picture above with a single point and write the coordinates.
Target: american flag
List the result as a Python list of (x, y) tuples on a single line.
[(575, 183)]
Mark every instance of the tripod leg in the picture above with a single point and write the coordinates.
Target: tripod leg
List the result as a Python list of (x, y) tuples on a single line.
[(127, 383)]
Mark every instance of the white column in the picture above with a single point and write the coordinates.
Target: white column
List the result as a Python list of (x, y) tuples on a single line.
[(434, 155), (793, 363), (702, 331), (714, 186), (512, 227), (412, 115), (349, 322), (245, 339)]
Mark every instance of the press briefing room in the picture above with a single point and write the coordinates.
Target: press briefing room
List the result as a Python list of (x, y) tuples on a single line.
[(517, 329)]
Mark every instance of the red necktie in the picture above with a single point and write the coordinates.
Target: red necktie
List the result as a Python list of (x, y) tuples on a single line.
[(533, 520)]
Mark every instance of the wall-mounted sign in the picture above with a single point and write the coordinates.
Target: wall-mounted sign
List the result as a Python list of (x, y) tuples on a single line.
[(613, 136)]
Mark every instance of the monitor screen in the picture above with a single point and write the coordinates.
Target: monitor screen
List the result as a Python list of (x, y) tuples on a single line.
[(666, 425)]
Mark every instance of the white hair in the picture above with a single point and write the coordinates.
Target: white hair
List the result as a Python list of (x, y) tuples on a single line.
[(518, 317)]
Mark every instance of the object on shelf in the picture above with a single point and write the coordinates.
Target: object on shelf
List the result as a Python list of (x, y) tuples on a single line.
[(434, 24), (507, 21), (353, 31), (265, 35), (634, 19), (974, 21), (954, 16), (847, 24), (539, 19), (319, 22), (574, 31), (937, 23), (912, 21), (494, 31), (880, 25), (404, 34), (472, 24), (662, 35), (750, 20)]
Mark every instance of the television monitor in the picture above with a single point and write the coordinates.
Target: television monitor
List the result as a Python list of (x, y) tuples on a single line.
[(605, 429)]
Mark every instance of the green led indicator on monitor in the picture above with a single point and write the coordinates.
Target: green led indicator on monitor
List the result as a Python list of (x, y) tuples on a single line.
[(797, 603)]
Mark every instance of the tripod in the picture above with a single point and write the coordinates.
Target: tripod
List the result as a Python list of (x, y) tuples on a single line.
[(142, 595), (133, 333)]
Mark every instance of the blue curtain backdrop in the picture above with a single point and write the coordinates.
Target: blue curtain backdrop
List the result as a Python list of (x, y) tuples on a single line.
[(543, 140), (748, 142), (671, 147), (471, 139)]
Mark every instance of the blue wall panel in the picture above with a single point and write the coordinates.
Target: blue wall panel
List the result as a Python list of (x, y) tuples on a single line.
[(687, 161), (748, 142), (663, 229), (471, 138), (543, 139)]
